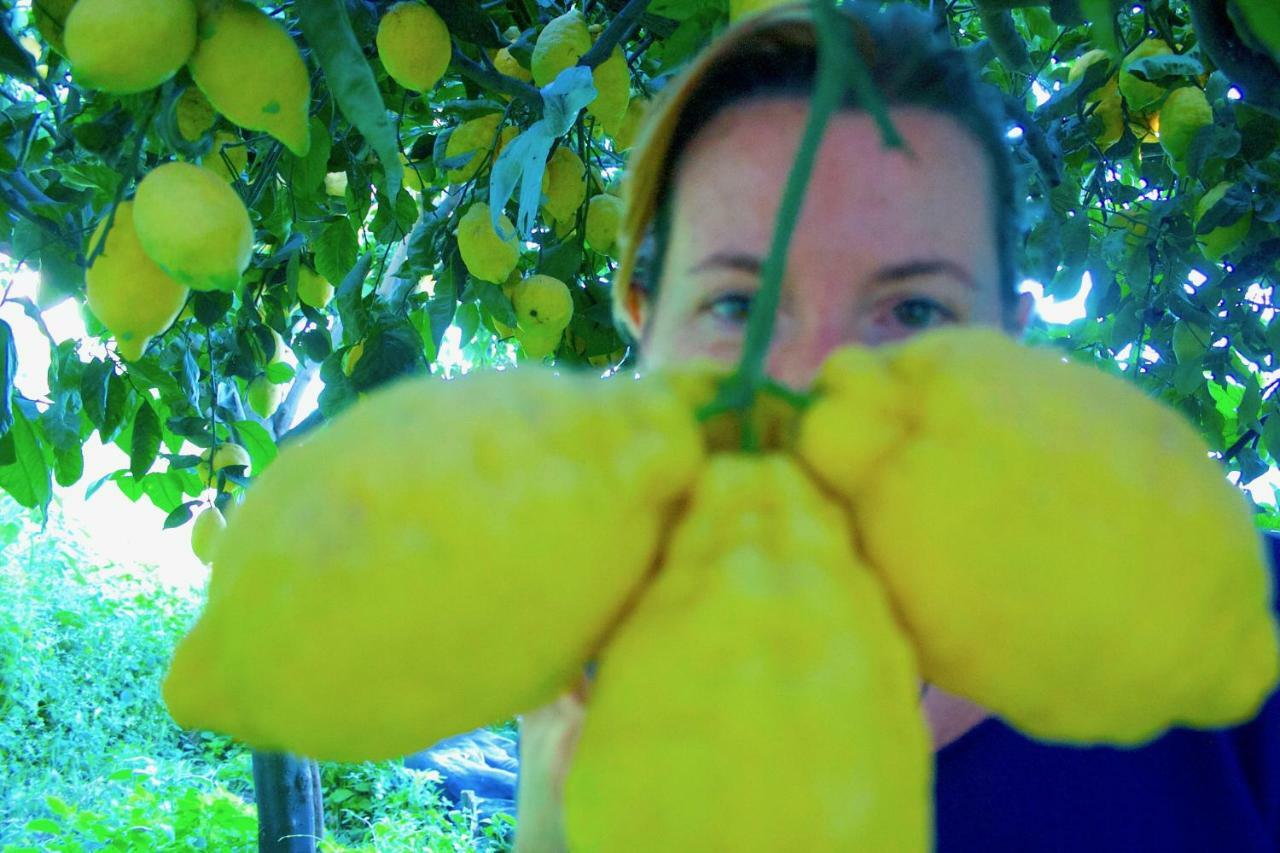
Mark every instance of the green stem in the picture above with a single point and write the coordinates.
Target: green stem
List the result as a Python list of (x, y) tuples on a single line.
[(839, 66)]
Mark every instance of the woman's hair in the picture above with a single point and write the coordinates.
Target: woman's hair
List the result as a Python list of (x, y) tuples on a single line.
[(909, 62)]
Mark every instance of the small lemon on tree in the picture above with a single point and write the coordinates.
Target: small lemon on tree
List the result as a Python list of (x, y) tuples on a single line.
[(413, 44), (127, 46)]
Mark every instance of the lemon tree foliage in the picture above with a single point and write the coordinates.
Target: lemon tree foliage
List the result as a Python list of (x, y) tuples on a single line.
[(218, 182)]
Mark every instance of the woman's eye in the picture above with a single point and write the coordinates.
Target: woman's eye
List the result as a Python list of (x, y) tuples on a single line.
[(730, 307), (917, 313)]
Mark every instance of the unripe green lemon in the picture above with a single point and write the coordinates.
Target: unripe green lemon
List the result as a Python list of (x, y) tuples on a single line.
[(127, 291), (227, 455), (414, 46), (1185, 111), (251, 71), (127, 46), (194, 226), (313, 288), (265, 396), (205, 533), (1224, 239), (1140, 95)]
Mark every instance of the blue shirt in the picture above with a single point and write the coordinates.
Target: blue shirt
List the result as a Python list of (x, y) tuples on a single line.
[(1194, 791)]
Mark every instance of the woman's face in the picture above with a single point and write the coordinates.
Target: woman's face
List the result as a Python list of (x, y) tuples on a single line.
[(887, 245)]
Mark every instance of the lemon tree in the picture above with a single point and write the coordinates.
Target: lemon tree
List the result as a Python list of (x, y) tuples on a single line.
[(361, 225)]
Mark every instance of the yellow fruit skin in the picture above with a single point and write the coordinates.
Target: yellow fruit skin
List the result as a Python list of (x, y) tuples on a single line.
[(482, 507), (232, 147), (251, 71), (476, 135), (127, 46), (1224, 239), (564, 184), (205, 533), (626, 134), (1185, 111), (125, 289), (761, 628), (486, 255), (313, 289), (1140, 95), (542, 303), (194, 113), (510, 66), (1089, 573), (559, 46), (414, 46), (612, 80), (604, 216), (194, 226)]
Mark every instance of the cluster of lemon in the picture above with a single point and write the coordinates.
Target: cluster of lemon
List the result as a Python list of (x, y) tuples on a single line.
[(1085, 571), (414, 46), (1173, 118)]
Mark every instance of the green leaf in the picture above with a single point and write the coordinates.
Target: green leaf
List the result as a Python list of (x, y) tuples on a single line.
[(306, 174), (93, 390), (258, 442), (279, 372), (1156, 69), (44, 824), (27, 478), (336, 249), (145, 443), (8, 364), (495, 302), (179, 516), (1271, 436), (328, 30), (14, 59)]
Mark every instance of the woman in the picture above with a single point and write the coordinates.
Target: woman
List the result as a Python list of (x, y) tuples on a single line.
[(890, 242)]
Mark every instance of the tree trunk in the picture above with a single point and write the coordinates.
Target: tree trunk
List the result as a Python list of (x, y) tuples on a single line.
[(290, 812)]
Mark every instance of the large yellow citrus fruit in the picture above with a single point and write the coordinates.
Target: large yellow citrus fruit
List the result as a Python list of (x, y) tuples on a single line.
[(414, 46), (205, 533), (604, 216), (1089, 574), (612, 80), (487, 256), (761, 628), (227, 149), (313, 288), (1184, 113), (516, 454), (1224, 239), (559, 46), (248, 66), (195, 115), (126, 46), (564, 184), (1139, 95), (194, 226), (133, 297), (478, 136)]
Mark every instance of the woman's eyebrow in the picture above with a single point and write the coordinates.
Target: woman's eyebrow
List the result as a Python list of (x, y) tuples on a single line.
[(924, 266), (738, 261)]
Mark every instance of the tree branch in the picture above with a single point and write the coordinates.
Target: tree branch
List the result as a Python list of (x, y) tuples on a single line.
[(497, 81), (614, 34)]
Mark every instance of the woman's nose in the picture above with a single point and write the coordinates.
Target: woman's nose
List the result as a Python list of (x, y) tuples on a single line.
[(798, 353)]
